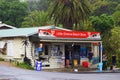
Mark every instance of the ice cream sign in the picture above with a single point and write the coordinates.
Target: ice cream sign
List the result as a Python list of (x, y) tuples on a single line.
[(68, 34)]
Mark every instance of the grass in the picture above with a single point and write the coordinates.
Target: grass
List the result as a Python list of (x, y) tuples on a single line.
[(1, 59), (24, 65)]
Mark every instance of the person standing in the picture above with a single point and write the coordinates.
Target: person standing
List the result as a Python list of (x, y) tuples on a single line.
[(113, 60), (104, 60), (90, 56), (40, 49)]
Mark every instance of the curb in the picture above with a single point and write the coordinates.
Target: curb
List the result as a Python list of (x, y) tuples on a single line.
[(95, 72)]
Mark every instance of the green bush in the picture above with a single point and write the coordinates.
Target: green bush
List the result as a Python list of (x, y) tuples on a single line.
[(118, 63), (24, 65), (1, 59)]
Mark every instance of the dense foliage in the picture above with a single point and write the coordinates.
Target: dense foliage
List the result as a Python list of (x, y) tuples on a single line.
[(36, 18), (69, 12), (12, 12), (102, 23)]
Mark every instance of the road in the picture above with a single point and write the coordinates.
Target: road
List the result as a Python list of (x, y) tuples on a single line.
[(12, 73)]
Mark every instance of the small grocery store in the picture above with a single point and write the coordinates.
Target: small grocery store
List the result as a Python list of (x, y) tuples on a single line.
[(60, 47), (64, 48)]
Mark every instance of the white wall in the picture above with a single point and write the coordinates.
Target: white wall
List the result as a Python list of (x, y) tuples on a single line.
[(15, 48), (20, 48)]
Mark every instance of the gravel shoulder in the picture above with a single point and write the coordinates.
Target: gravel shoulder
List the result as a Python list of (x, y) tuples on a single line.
[(7, 64)]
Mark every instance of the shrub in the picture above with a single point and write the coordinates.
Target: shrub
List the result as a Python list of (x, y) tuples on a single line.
[(24, 65), (1, 59)]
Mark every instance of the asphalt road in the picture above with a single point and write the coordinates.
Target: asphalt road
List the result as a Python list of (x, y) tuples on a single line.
[(11, 73)]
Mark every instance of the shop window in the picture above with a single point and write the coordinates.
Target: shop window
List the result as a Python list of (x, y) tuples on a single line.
[(83, 52), (55, 50), (36, 51)]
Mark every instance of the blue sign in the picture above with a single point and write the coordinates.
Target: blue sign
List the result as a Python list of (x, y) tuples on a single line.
[(38, 65), (101, 48)]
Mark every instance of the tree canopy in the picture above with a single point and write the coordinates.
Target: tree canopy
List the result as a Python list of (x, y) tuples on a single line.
[(103, 23), (116, 17), (36, 18), (69, 13), (104, 7), (115, 38), (12, 12)]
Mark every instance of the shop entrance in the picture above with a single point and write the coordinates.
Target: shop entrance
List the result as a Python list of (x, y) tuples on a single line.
[(75, 53), (72, 55)]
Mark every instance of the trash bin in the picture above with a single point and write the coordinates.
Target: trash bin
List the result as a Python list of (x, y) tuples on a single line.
[(100, 65), (38, 65), (75, 62), (85, 64)]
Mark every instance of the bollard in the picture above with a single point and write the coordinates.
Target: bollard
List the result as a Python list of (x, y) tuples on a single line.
[(100, 67), (38, 65)]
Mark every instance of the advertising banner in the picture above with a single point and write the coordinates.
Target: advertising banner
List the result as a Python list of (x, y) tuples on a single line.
[(68, 34)]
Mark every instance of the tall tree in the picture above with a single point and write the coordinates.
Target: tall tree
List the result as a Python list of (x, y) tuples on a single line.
[(12, 12), (104, 7), (115, 39), (69, 13), (36, 18), (115, 43), (103, 23), (116, 17)]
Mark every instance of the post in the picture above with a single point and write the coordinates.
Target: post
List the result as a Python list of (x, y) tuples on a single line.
[(100, 63), (101, 49)]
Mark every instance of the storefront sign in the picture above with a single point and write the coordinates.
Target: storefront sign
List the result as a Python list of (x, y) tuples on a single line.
[(68, 34)]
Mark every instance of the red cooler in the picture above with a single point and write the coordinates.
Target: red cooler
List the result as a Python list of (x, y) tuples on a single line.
[(85, 64)]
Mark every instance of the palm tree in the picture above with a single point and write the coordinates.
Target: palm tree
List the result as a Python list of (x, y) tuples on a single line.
[(26, 59), (36, 18), (69, 13), (25, 44)]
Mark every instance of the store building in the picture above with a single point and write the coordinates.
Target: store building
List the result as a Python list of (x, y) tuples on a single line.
[(59, 47), (66, 48)]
